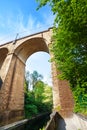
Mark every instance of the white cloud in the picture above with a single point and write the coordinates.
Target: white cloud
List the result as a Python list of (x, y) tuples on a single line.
[(11, 26)]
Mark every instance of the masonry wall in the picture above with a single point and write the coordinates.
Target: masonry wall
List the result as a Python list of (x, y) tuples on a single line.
[(12, 91), (62, 95), (16, 98)]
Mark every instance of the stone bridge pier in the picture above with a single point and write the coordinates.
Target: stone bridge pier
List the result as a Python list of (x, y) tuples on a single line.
[(13, 56)]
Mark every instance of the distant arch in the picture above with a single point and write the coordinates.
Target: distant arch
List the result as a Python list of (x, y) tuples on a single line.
[(3, 54)]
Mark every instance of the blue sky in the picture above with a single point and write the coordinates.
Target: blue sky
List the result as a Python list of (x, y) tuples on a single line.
[(20, 16)]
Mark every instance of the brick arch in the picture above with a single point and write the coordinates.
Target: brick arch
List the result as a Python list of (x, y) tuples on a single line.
[(3, 54), (31, 46)]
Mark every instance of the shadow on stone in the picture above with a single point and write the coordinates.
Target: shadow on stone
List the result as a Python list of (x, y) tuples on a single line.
[(56, 122), (61, 123), (1, 82)]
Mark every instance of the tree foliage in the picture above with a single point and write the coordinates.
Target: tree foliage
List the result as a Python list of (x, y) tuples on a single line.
[(32, 78), (36, 100), (70, 42), (35, 76)]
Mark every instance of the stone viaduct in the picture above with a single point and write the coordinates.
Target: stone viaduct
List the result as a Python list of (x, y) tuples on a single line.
[(13, 56)]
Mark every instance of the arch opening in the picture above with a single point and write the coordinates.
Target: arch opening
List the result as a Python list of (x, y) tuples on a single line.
[(39, 62), (39, 90)]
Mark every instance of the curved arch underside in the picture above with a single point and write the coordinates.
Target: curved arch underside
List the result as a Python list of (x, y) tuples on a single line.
[(31, 46)]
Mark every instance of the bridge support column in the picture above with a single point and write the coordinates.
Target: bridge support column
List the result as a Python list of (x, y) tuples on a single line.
[(12, 91), (62, 95)]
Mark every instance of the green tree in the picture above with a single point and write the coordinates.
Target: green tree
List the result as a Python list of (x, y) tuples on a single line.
[(35, 99), (43, 96), (47, 94), (30, 105), (28, 79), (38, 90), (35, 76), (32, 78), (47, 97), (70, 41)]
